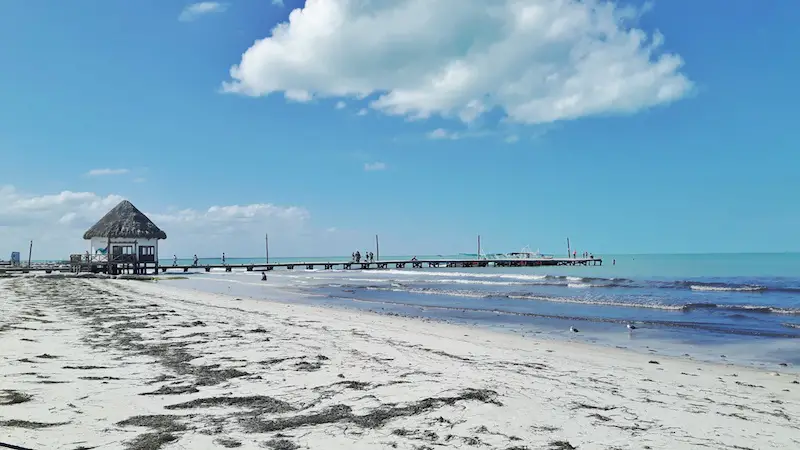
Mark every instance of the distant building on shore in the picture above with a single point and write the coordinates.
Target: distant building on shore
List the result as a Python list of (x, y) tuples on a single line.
[(123, 240)]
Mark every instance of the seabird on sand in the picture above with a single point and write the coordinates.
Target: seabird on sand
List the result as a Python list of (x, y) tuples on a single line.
[(573, 329)]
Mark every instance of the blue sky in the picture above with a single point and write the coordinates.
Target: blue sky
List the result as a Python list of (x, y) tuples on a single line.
[(128, 86)]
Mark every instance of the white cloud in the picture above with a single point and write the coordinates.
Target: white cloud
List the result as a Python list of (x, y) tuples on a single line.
[(103, 172), (539, 61), (341, 105), (277, 2), (362, 112), (441, 133), (56, 224), (195, 10), (373, 166), (298, 95), (139, 180), (512, 139)]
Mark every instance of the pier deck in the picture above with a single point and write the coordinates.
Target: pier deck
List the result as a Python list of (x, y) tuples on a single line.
[(330, 265), (389, 264)]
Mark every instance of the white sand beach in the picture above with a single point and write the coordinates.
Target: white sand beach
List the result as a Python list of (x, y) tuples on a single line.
[(94, 363)]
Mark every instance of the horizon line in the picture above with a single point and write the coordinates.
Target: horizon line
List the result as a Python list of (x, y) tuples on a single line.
[(598, 255)]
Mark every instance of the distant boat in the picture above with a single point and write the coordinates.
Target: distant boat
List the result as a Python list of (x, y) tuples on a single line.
[(523, 255)]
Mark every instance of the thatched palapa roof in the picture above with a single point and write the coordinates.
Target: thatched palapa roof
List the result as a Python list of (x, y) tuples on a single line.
[(125, 221)]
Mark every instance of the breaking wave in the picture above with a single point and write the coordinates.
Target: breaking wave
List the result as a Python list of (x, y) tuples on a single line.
[(713, 327), (531, 296)]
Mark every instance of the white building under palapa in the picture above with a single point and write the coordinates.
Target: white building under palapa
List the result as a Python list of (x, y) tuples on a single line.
[(123, 240)]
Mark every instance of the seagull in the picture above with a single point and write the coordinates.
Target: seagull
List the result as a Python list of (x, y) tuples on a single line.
[(573, 329), (631, 327)]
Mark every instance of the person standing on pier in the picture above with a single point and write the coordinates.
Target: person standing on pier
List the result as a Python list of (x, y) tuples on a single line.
[(174, 260), (371, 257), (358, 256), (194, 261), (223, 258)]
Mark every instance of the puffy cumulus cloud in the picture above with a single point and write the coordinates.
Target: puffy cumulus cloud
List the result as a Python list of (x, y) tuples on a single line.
[(23, 210), (539, 61), (56, 223), (237, 230)]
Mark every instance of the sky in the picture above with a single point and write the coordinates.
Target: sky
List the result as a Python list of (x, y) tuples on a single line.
[(627, 126)]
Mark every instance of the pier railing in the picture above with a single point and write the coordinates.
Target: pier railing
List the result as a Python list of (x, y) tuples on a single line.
[(394, 264), (100, 263), (85, 258)]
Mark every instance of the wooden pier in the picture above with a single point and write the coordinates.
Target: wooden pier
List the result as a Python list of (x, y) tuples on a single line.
[(9, 269), (393, 264), (101, 267)]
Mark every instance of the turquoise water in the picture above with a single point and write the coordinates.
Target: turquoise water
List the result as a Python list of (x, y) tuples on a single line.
[(630, 266), (689, 302)]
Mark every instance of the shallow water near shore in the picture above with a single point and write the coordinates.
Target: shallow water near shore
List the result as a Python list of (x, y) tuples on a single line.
[(704, 306)]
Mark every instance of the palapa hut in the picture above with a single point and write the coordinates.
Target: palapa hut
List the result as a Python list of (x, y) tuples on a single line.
[(124, 239)]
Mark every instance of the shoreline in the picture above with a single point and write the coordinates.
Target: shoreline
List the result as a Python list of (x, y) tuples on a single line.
[(729, 350), (122, 362)]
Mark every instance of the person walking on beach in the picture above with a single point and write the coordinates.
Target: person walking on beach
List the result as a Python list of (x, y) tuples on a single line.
[(263, 276)]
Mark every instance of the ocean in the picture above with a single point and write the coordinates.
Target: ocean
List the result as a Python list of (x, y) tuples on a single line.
[(743, 308)]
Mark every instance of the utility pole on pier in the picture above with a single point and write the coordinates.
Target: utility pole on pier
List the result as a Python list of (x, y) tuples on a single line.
[(30, 252), (569, 250), (479, 246), (267, 239), (377, 248)]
